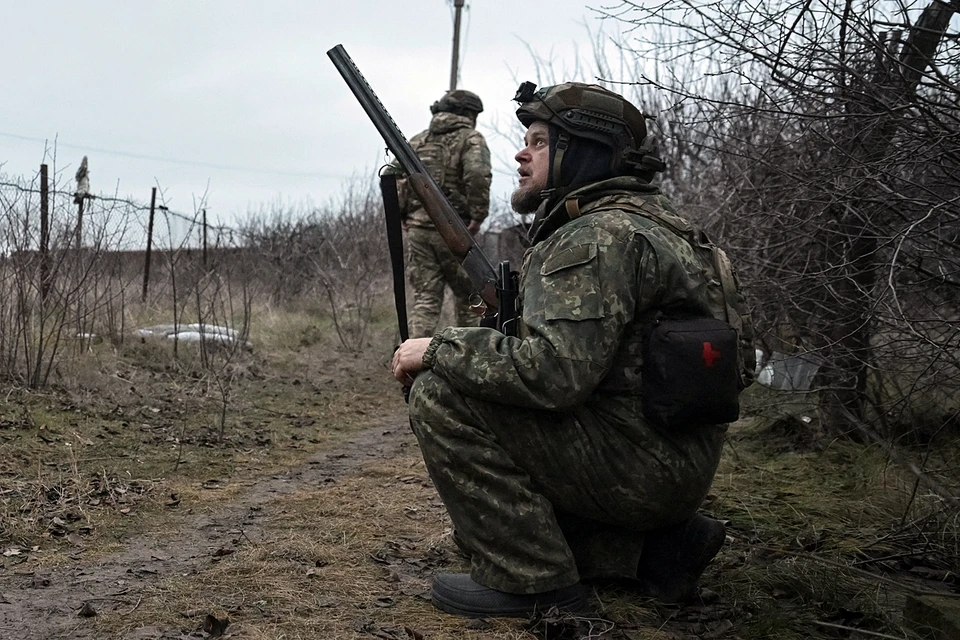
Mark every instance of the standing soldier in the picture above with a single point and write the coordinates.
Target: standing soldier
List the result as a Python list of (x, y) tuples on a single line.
[(458, 159)]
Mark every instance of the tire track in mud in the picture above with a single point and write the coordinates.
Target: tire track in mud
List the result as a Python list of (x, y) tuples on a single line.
[(46, 605)]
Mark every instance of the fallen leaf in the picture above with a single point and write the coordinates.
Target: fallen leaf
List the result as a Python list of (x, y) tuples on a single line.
[(707, 596), (719, 631), (215, 627), (362, 625), (478, 624), (328, 601)]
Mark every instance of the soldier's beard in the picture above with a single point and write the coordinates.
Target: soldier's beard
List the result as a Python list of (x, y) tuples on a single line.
[(527, 199)]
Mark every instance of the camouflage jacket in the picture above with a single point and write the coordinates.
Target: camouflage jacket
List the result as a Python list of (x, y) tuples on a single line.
[(457, 157), (589, 287)]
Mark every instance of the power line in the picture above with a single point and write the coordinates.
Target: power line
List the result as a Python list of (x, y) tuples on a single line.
[(189, 163)]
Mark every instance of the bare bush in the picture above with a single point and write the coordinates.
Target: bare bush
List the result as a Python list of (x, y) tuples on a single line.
[(335, 253), (66, 288), (54, 296), (819, 141)]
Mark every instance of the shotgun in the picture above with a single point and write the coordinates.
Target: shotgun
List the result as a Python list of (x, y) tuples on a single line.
[(498, 290)]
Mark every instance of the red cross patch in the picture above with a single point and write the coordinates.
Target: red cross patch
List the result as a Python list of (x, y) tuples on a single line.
[(710, 355)]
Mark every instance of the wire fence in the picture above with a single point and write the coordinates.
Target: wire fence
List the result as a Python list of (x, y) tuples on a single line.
[(123, 223)]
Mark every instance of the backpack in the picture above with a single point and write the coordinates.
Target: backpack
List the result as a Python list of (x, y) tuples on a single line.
[(695, 368), (435, 156)]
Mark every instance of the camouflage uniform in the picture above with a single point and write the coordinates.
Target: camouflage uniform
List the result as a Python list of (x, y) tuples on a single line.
[(466, 170), (537, 444)]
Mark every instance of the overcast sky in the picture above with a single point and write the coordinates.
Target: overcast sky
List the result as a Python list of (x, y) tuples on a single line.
[(240, 95)]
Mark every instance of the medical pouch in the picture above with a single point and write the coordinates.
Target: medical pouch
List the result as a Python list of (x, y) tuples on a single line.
[(690, 372)]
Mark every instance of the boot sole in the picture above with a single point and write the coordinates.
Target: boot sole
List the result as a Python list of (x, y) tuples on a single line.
[(573, 604)]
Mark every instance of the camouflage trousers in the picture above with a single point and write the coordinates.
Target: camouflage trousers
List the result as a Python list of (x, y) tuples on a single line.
[(542, 499), (430, 268)]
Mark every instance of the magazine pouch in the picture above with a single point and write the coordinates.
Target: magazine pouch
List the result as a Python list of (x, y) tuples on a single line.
[(690, 372)]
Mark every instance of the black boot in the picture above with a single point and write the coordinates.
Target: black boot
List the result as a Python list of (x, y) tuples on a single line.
[(458, 594), (674, 557)]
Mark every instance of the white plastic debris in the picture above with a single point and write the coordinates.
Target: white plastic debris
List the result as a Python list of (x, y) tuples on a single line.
[(196, 336), (788, 372), (193, 332)]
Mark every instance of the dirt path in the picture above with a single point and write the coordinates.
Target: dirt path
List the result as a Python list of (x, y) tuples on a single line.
[(47, 605)]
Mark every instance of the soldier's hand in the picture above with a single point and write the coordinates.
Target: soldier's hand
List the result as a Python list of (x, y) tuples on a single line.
[(408, 360), (473, 227)]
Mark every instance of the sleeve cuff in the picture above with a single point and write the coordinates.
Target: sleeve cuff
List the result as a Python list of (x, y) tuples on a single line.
[(430, 355)]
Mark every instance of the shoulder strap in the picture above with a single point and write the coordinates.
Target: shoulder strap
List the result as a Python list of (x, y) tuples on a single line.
[(725, 272)]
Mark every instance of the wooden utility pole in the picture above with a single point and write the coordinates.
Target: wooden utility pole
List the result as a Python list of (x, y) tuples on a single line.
[(79, 225), (146, 264), (44, 233), (455, 63)]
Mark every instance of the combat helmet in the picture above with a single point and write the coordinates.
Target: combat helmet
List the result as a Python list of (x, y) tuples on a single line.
[(458, 101), (592, 112)]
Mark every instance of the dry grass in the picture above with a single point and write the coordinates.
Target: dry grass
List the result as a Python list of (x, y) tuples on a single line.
[(834, 533), (354, 559), (347, 561), (820, 532), (336, 562), (100, 454)]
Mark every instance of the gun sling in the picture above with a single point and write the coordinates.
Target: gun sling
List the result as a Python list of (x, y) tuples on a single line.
[(391, 210)]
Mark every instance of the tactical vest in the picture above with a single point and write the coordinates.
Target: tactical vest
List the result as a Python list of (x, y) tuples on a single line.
[(435, 156), (440, 154), (668, 356)]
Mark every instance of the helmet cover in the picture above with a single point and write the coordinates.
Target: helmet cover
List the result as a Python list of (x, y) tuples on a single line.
[(458, 101), (592, 112)]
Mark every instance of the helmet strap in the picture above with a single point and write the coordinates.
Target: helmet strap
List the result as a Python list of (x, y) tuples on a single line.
[(563, 141)]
